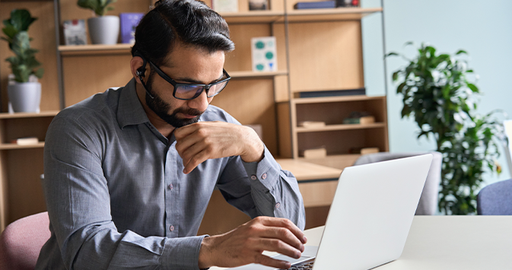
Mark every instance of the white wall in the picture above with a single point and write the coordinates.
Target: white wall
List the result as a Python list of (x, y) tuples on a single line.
[(482, 28)]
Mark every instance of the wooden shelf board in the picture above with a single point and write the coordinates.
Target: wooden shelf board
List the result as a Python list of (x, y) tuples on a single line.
[(27, 115), (334, 99), (330, 14), (341, 127), (94, 49), (252, 74), (12, 146), (256, 16)]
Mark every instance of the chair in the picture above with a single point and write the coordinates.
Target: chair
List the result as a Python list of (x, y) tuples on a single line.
[(495, 199), (22, 240), (428, 200)]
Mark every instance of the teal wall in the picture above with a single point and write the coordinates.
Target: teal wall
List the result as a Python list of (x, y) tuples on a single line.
[(482, 28)]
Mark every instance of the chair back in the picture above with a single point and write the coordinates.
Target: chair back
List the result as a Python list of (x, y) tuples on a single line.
[(22, 240), (495, 199), (428, 200)]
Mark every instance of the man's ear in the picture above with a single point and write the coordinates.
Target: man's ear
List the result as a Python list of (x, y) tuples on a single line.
[(137, 67)]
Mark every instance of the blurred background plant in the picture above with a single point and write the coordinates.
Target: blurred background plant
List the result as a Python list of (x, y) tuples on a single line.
[(439, 92), (23, 63)]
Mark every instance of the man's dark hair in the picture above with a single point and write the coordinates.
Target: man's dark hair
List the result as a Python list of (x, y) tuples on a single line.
[(191, 22)]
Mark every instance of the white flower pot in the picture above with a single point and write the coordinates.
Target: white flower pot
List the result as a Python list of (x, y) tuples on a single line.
[(24, 97), (104, 29)]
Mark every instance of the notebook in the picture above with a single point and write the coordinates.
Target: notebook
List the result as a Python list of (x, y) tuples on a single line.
[(370, 216)]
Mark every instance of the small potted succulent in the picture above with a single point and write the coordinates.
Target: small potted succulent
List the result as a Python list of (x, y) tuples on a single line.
[(24, 90), (102, 29)]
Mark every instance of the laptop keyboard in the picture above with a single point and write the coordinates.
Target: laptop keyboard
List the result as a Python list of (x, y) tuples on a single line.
[(305, 265)]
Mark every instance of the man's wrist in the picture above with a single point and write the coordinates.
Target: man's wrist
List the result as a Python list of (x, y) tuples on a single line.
[(204, 260)]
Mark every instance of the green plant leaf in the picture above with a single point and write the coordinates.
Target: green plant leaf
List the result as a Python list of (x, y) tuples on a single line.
[(39, 73), (21, 19)]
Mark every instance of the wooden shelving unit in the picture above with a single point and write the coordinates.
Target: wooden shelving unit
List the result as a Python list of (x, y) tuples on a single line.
[(317, 50)]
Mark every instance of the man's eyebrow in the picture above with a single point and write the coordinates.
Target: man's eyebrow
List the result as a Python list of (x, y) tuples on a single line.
[(190, 80)]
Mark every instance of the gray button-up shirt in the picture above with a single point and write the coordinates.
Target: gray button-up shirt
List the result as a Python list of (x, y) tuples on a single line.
[(117, 197)]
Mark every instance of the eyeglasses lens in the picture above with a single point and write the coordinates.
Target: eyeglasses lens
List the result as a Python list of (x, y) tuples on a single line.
[(191, 91)]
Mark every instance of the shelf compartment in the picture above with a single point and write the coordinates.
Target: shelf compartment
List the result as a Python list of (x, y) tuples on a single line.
[(340, 142), (333, 110), (21, 125)]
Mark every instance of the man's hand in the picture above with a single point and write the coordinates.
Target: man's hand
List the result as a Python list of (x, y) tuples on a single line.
[(246, 243), (200, 141)]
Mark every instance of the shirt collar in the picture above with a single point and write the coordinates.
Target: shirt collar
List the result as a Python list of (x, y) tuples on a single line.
[(130, 110)]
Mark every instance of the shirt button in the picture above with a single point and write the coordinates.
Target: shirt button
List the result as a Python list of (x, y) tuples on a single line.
[(253, 177), (171, 228), (264, 176), (278, 205), (170, 187)]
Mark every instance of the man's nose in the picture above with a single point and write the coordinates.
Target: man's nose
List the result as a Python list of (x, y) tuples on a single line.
[(200, 103)]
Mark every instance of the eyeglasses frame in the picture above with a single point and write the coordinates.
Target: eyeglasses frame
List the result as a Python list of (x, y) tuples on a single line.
[(205, 87)]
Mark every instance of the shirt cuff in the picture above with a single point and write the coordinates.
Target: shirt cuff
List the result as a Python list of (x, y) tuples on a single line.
[(182, 253), (266, 171)]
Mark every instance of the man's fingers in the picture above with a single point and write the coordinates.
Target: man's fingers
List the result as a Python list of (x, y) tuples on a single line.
[(279, 246), (283, 223), (267, 261)]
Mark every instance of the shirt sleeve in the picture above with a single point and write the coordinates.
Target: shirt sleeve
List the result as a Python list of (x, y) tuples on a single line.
[(78, 202), (263, 189)]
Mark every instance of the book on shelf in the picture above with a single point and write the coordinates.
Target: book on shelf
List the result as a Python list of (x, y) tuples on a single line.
[(312, 124), (311, 5), (314, 153), (360, 120), (26, 141), (128, 23), (333, 93)]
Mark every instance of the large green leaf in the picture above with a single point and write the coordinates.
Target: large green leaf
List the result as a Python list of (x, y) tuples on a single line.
[(21, 19)]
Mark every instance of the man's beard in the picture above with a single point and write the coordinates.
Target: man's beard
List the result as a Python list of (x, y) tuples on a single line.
[(161, 108)]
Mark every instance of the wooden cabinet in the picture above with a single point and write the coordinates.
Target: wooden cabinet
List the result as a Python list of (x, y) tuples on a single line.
[(317, 50)]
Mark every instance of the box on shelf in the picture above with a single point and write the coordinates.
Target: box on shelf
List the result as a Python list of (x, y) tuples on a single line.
[(314, 153), (128, 23), (74, 32), (25, 141), (312, 124), (225, 5), (263, 51)]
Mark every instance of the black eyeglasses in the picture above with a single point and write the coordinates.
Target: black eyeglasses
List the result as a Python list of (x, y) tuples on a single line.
[(188, 91)]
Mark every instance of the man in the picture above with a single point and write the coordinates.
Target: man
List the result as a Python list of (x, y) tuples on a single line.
[(129, 172)]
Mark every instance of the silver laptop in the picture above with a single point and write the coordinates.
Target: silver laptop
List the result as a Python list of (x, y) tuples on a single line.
[(370, 216)]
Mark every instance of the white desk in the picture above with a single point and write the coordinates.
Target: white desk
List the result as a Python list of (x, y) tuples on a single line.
[(451, 242)]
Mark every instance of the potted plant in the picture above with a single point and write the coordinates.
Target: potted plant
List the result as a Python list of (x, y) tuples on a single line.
[(102, 29), (24, 91), (439, 92)]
